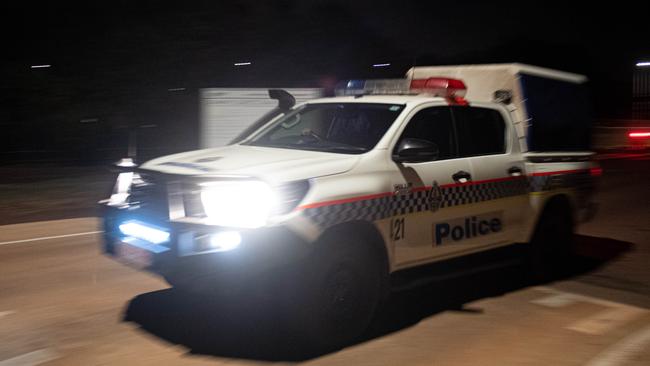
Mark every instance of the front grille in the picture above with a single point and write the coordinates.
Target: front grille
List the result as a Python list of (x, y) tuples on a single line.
[(192, 200)]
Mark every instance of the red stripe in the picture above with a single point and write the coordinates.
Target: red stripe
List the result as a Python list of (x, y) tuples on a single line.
[(387, 194), (345, 200), (424, 188), (539, 174), (470, 183)]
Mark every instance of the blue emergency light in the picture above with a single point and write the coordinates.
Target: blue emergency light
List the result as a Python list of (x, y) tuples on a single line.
[(435, 86)]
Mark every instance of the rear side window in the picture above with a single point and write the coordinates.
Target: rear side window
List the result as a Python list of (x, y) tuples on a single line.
[(481, 131), (435, 125)]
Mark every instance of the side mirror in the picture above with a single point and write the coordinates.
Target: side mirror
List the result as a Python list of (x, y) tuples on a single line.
[(415, 150)]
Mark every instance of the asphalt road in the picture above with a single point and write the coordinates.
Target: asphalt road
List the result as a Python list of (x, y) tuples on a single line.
[(62, 303)]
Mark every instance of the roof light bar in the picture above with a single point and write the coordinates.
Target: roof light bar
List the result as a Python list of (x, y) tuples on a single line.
[(439, 87), (374, 87)]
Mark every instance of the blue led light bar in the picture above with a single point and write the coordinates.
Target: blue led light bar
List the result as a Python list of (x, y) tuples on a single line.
[(138, 230)]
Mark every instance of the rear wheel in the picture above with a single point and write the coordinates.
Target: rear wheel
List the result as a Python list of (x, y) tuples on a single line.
[(551, 245)]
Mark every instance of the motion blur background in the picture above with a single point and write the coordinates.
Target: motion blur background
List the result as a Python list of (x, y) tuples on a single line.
[(79, 78), (81, 81)]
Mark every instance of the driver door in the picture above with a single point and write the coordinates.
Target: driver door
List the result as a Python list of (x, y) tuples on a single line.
[(418, 186)]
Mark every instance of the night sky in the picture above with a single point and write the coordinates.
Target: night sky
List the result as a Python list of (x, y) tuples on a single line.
[(117, 60)]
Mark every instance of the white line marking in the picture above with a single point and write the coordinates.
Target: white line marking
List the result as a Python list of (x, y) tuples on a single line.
[(593, 300), (606, 320), (49, 237), (32, 358), (5, 313), (617, 315), (622, 351), (556, 301)]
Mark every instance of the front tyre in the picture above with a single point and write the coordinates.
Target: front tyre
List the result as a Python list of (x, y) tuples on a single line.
[(336, 292)]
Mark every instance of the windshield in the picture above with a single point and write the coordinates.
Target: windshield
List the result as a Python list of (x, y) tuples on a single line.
[(349, 128)]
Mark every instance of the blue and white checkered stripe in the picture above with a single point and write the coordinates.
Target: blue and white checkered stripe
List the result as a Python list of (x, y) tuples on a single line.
[(374, 209)]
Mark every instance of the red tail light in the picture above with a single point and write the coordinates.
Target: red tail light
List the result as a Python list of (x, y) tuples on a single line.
[(596, 171), (638, 135)]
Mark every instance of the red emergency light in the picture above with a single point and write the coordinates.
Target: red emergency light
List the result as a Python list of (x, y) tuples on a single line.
[(443, 87), (638, 135), (452, 89)]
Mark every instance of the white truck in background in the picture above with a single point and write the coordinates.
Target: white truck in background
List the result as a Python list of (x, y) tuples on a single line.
[(324, 203), (225, 112)]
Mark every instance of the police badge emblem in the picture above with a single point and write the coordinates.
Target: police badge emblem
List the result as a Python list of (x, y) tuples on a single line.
[(434, 198)]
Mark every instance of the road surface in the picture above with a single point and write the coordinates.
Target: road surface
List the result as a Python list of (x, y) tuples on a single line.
[(63, 303)]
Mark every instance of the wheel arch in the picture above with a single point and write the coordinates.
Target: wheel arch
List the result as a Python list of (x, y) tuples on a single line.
[(559, 201), (369, 234)]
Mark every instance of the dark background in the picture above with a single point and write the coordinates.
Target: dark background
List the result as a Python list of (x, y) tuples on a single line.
[(113, 62)]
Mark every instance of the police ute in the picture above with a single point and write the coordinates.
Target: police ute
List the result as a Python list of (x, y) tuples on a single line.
[(323, 204)]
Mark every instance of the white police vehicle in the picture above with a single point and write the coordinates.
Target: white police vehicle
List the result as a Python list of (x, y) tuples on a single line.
[(333, 196)]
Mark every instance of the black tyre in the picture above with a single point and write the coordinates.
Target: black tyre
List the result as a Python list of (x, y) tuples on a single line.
[(336, 293), (551, 245)]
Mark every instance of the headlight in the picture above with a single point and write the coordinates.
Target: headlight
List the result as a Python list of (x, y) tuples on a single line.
[(246, 204)]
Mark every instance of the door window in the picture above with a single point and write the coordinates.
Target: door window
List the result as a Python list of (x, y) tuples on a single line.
[(434, 125), (481, 131)]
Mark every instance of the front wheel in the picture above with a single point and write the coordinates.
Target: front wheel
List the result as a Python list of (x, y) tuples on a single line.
[(336, 293)]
